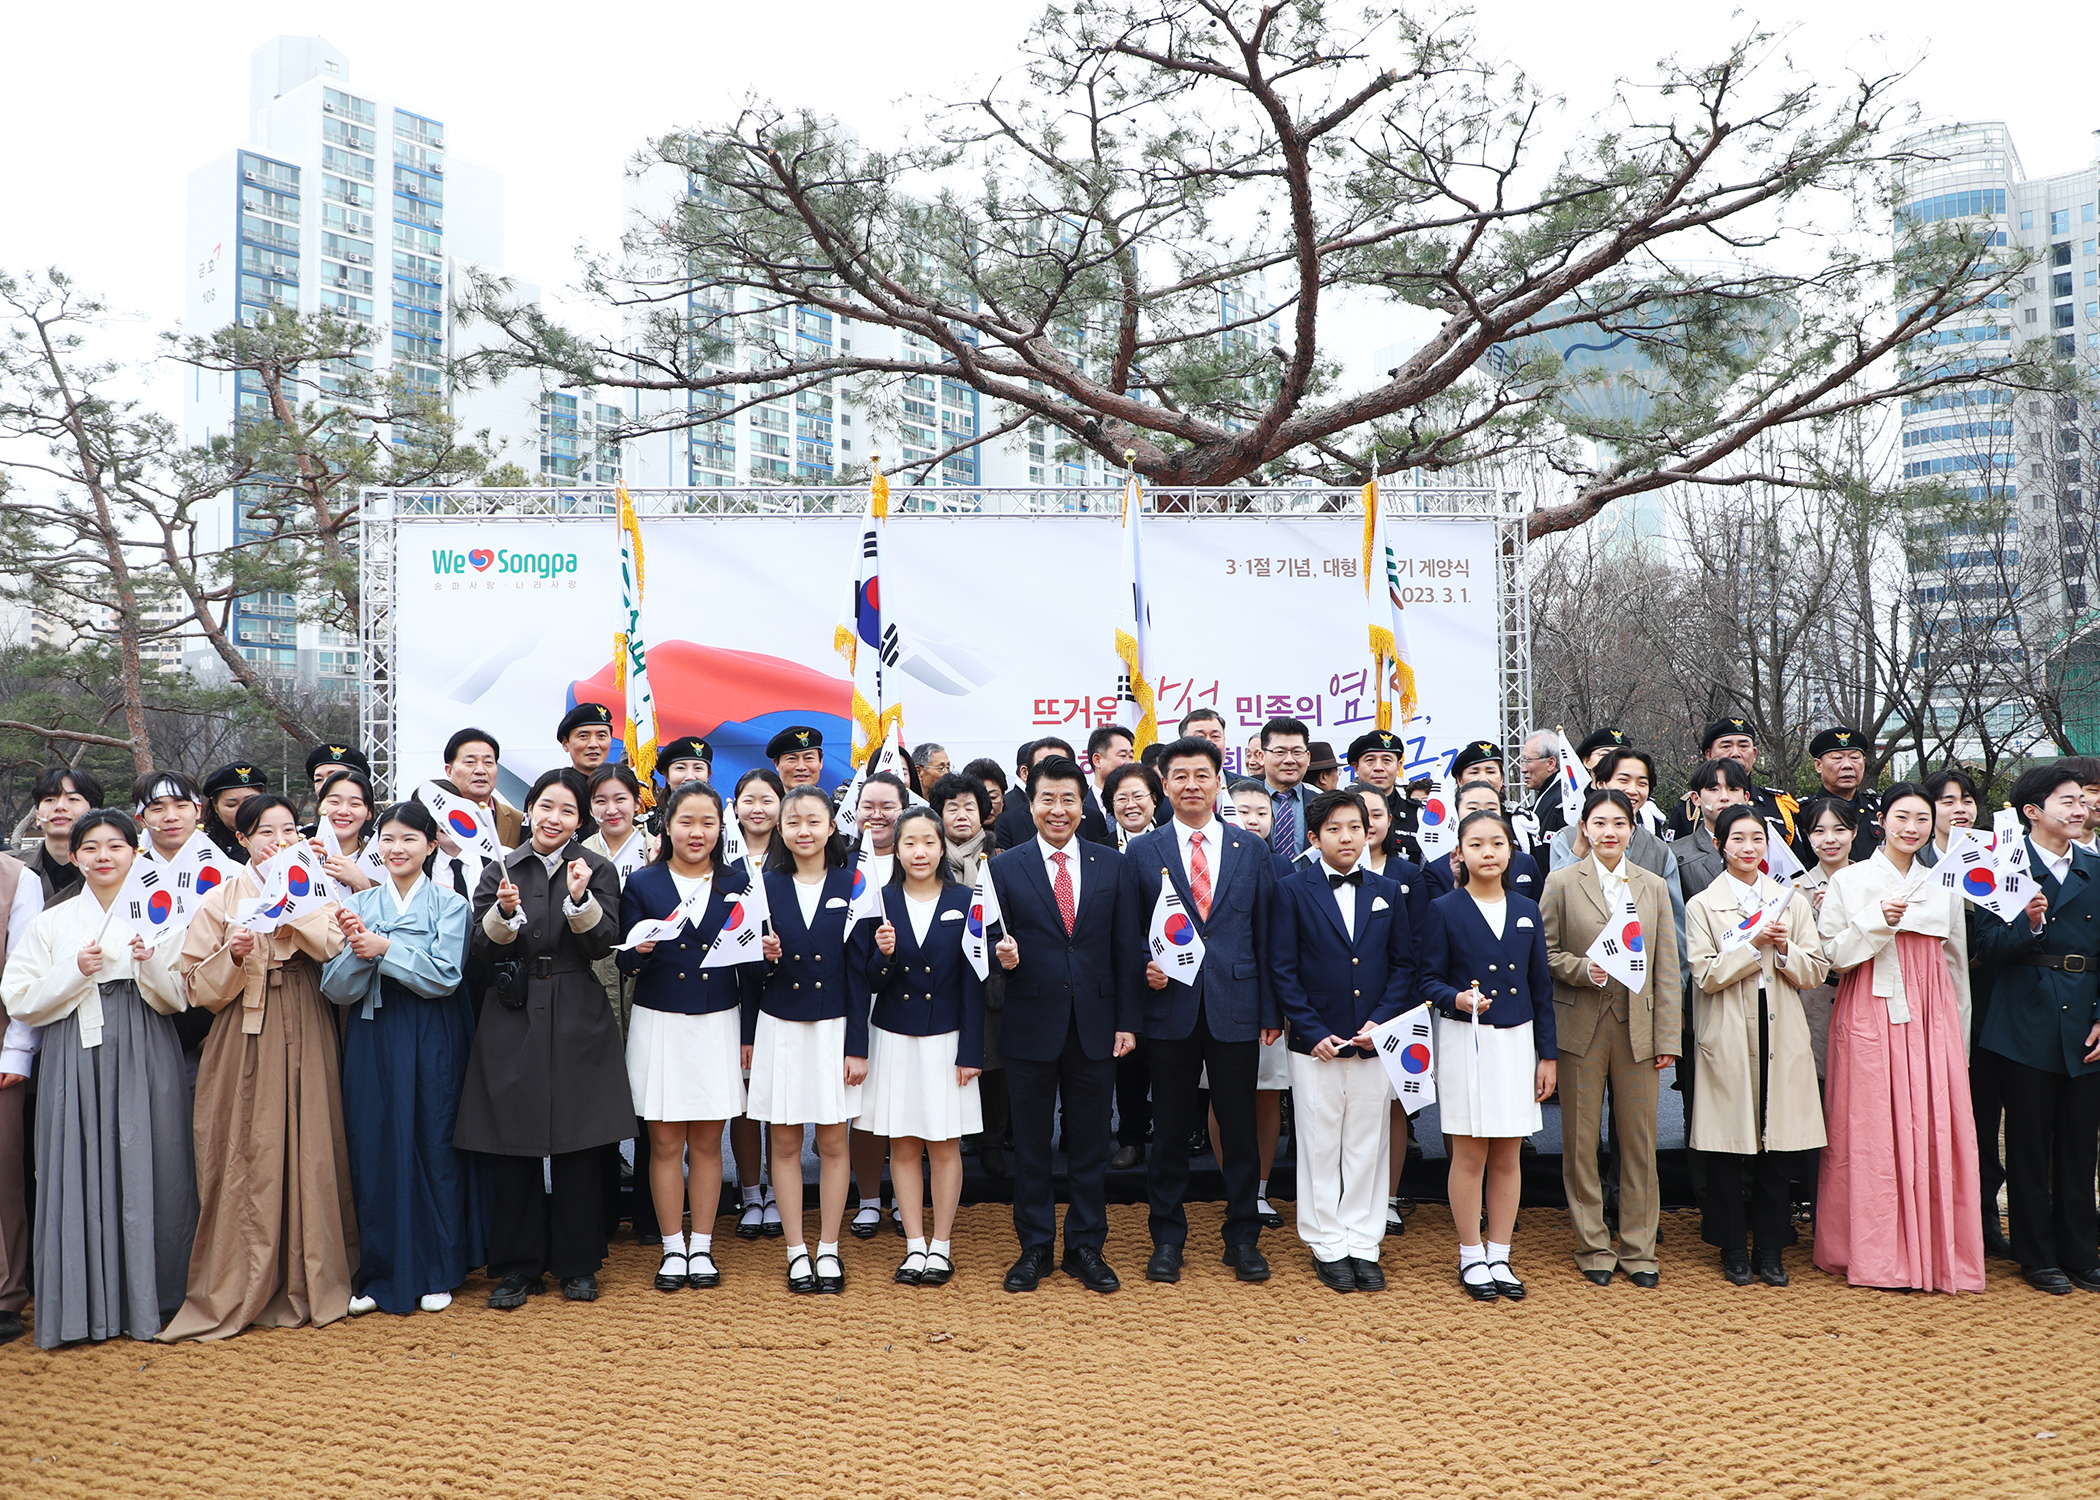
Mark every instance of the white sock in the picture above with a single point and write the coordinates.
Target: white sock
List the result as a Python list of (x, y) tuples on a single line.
[(824, 1249), (915, 1247), (674, 1244), (700, 1244), (1472, 1265), (874, 1204), (940, 1248), (795, 1250), (1261, 1189), (1497, 1252), (753, 1197)]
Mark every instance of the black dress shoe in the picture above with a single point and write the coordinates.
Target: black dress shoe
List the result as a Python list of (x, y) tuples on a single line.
[(1645, 1280), (512, 1291), (1165, 1264), (1735, 1268), (580, 1288), (1506, 1284), (1597, 1278), (1247, 1262), (1125, 1158), (670, 1277), (2049, 1279), (1479, 1291), (1368, 1277), (865, 1229), (1771, 1270), (2085, 1281), (701, 1271), (938, 1269), (1335, 1275), (1995, 1244), (10, 1327), (1030, 1269), (830, 1283), (802, 1274), (1085, 1262), (1270, 1219)]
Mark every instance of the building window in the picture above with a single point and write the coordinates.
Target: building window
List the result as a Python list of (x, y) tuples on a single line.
[(2027, 218), (2060, 316), (2060, 255), (2029, 315), (2059, 221)]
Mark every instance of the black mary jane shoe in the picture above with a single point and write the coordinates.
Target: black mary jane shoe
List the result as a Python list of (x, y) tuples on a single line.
[(701, 1271), (1506, 1284), (671, 1278), (1479, 1291), (580, 1288), (938, 1269), (802, 1276), (751, 1221), (772, 1228), (1735, 1268), (909, 1274), (830, 1283), (866, 1231), (1270, 1219), (512, 1291)]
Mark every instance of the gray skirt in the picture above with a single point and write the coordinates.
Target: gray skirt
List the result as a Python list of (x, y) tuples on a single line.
[(116, 1194)]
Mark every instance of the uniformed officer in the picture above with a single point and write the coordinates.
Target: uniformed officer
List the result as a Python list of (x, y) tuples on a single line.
[(1840, 755), (797, 753), (1376, 760), (585, 734), (323, 761), (224, 792), (1732, 738)]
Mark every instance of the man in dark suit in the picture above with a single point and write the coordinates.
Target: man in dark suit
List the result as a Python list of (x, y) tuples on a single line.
[(1218, 1017), (1073, 954), (1286, 755), (2042, 1037), (1016, 825)]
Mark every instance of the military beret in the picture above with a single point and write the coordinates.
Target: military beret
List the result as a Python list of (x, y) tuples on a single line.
[(582, 715), (686, 747), (1839, 738), (1377, 739), (1479, 753), (336, 755), (1722, 728), (792, 739), (1607, 738), (227, 778)]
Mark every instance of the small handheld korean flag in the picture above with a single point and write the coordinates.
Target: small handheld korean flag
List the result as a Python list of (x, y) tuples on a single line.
[(867, 894), (1982, 877), (460, 818), (145, 904), (1780, 861), (738, 941), (1621, 949), (1177, 947), (1407, 1046), (294, 883), (198, 868), (1574, 782), (984, 915), (1747, 927), (1436, 821), (848, 815), (2011, 841)]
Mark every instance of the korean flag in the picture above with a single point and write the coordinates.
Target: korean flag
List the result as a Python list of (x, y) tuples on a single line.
[(984, 915), (1175, 944), (1621, 949), (738, 941)]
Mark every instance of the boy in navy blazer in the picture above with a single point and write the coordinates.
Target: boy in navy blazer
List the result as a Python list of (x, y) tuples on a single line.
[(1218, 1018), (1074, 956), (1343, 949)]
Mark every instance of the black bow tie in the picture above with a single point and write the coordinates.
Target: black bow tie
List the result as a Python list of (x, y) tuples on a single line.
[(1336, 882)]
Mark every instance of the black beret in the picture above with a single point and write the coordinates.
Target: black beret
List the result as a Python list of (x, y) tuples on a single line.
[(336, 755), (686, 747), (1606, 738), (1480, 752), (227, 778), (1839, 738), (1377, 739), (579, 716), (1722, 728), (793, 738)]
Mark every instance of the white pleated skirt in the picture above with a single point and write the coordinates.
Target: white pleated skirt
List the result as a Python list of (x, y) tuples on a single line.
[(1489, 1095), (798, 1073), (685, 1067), (911, 1088)]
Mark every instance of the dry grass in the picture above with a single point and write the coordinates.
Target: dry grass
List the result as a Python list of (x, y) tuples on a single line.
[(1206, 1389)]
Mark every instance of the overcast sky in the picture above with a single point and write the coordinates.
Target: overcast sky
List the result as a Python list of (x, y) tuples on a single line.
[(106, 109)]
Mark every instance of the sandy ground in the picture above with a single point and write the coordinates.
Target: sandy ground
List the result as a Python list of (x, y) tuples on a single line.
[(1205, 1389)]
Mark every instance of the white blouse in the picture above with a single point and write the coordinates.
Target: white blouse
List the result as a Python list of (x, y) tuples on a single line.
[(43, 982)]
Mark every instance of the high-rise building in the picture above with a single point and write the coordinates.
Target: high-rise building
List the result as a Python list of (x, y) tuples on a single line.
[(343, 202)]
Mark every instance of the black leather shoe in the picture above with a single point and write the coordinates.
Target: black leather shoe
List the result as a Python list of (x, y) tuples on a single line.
[(938, 1269), (1479, 1291), (10, 1327), (1270, 1219), (1030, 1269), (865, 1228), (1085, 1262), (830, 1283), (1735, 1268), (1368, 1277), (2049, 1279), (1506, 1284), (1995, 1244), (2085, 1281), (1771, 1270), (671, 1277), (802, 1274), (1125, 1158), (1597, 1278), (1645, 1280), (580, 1288), (1165, 1264), (701, 1271), (512, 1291), (1335, 1275), (1247, 1262)]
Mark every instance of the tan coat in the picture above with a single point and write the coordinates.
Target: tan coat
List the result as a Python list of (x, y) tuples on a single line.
[(1724, 1004), (1574, 908)]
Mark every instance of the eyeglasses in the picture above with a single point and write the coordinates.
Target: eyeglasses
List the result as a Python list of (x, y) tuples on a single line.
[(1285, 752)]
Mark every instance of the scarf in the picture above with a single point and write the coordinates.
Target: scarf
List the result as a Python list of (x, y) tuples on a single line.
[(964, 857)]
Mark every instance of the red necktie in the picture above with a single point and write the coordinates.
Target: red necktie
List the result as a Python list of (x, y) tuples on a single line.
[(1066, 906), (1199, 875)]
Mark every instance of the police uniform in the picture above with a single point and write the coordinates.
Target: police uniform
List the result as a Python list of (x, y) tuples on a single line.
[(685, 747), (1772, 804), (1865, 803), (1399, 806)]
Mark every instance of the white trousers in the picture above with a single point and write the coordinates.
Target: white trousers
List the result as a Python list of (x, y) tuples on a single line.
[(1342, 1116)]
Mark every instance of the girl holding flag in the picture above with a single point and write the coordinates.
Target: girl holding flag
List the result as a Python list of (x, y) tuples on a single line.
[(277, 1231), (926, 1042), (807, 1038), (422, 1204), (116, 1202), (684, 1039), (343, 823), (1484, 969), (1754, 949)]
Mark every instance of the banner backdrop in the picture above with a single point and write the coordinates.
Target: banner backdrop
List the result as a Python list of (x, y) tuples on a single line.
[(1005, 629)]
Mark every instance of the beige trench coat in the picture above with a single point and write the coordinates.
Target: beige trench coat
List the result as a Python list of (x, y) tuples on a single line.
[(1724, 1003)]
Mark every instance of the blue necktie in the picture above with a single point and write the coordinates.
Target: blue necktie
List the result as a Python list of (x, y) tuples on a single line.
[(1283, 833)]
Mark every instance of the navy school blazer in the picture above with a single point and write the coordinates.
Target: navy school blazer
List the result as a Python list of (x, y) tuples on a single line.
[(669, 977), (926, 990), (1234, 990), (1330, 983), (1459, 947), (1524, 877), (815, 978), (1090, 978)]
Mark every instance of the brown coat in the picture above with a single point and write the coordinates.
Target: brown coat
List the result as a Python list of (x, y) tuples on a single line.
[(1574, 908)]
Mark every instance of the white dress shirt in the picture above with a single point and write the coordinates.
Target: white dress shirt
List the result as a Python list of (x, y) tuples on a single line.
[(1213, 837), (2058, 866), (1071, 865), (1344, 897)]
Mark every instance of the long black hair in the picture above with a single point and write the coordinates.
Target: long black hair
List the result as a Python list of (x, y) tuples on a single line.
[(921, 814), (363, 783), (683, 793), (780, 859), (103, 817)]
